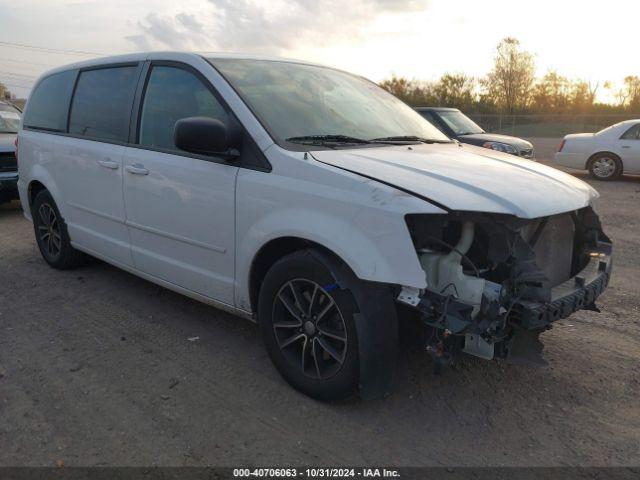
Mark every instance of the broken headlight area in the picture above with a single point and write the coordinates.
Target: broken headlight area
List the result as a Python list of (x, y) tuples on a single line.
[(494, 282)]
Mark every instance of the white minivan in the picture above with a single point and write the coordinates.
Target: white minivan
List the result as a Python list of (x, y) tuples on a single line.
[(311, 201)]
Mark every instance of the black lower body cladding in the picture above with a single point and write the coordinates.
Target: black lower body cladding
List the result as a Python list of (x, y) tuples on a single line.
[(514, 274)]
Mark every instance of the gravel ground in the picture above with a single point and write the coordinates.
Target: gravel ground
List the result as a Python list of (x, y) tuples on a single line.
[(99, 367)]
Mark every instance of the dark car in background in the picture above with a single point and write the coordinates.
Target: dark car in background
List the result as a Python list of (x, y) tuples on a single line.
[(455, 124), (9, 123)]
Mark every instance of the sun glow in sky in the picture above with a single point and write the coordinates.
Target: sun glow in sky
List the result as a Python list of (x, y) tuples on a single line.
[(422, 39)]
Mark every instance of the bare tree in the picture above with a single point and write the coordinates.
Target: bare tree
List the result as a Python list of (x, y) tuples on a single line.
[(410, 91), (593, 92), (509, 83), (632, 93)]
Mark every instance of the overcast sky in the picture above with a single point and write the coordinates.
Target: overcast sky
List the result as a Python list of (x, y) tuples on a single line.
[(592, 40)]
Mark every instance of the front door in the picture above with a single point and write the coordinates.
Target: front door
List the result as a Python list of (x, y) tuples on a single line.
[(180, 207)]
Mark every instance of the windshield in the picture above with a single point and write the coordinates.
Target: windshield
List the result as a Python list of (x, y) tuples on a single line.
[(302, 103), (9, 118), (459, 123)]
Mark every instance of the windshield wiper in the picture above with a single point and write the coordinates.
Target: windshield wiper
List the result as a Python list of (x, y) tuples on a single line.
[(346, 139), (408, 138), (322, 139)]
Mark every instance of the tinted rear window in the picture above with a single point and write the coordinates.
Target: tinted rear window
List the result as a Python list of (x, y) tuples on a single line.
[(49, 103), (101, 105)]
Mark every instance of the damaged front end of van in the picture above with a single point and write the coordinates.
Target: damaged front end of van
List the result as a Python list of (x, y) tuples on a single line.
[(496, 281)]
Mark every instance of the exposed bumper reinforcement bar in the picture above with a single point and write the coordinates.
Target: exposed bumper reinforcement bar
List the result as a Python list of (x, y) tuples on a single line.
[(575, 294)]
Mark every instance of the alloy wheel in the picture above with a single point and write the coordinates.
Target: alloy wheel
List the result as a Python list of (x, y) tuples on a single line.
[(604, 167), (309, 328), (49, 230)]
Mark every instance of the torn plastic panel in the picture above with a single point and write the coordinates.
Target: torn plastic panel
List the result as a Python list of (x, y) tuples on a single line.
[(492, 278)]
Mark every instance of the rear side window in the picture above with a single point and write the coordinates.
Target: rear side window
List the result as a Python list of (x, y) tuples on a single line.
[(49, 103), (101, 106), (633, 133), (172, 94)]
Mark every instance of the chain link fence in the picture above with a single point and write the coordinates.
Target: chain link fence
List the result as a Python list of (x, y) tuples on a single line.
[(546, 125)]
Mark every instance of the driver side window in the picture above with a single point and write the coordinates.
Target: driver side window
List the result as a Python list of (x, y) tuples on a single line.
[(172, 94)]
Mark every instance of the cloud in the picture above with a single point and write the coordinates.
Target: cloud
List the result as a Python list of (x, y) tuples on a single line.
[(190, 22), (177, 32), (269, 28)]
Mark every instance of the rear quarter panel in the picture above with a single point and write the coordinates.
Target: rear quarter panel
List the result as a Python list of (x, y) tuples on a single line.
[(579, 148), (35, 155)]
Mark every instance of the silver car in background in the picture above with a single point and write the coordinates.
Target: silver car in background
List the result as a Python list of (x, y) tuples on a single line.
[(605, 154), (9, 124)]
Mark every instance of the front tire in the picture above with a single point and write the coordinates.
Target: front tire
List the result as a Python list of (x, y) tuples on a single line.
[(308, 328), (51, 234), (605, 166)]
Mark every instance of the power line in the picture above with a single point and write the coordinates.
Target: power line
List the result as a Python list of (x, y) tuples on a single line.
[(47, 49)]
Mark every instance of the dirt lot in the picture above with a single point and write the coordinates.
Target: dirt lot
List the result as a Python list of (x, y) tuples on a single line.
[(96, 368)]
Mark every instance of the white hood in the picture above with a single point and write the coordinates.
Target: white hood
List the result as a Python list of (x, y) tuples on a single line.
[(468, 178)]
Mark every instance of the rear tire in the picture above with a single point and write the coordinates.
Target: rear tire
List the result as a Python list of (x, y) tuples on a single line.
[(51, 234), (308, 328), (605, 166)]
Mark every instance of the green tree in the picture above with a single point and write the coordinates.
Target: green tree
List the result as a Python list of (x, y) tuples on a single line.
[(509, 84), (422, 94), (582, 96), (551, 93), (455, 90), (511, 87), (410, 91), (398, 86)]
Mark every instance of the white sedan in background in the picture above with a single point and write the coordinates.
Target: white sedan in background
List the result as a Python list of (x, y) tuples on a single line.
[(605, 154)]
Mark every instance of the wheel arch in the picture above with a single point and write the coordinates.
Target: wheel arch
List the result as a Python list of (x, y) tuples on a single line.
[(376, 248), (274, 250), (34, 187), (40, 179)]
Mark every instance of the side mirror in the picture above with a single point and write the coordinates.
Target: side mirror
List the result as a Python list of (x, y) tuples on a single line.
[(206, 136)]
